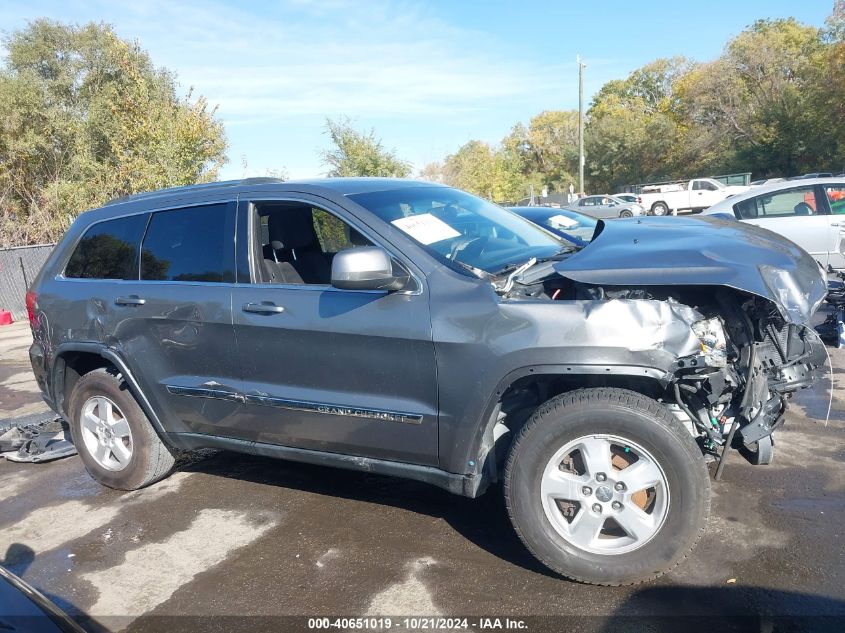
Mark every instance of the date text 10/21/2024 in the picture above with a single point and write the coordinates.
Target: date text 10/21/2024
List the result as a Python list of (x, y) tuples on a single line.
[(417, 623)]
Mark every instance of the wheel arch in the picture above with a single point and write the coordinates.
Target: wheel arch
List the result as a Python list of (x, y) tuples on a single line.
[(74, 360), (491, 444)]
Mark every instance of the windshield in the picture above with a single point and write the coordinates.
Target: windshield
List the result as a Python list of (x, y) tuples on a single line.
[(457, 227)]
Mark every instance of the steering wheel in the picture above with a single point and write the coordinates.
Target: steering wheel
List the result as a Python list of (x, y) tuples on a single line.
[(468, 246)]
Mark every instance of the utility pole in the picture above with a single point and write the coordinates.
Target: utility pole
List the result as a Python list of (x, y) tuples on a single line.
[(581, 67)]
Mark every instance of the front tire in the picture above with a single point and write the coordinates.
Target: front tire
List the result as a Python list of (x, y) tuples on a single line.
[(117, 443), (576, 508), (625, 213)]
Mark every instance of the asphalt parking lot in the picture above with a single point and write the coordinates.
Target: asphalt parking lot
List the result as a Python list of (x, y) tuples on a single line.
[(233, 535)]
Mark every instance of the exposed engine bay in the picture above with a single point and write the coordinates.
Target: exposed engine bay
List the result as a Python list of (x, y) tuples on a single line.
[(738, 360)]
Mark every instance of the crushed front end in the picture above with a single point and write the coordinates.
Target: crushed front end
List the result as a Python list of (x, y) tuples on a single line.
[(752, 360), (746, 295), (729, 361)]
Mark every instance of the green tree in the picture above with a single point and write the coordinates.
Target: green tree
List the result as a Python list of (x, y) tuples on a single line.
[(633, 124), (548, 149), (751, 107), (85, 117), (491, 173), (357, 153), (827, 100)]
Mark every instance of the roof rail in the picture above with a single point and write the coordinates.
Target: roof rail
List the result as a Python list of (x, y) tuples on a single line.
[(218, 184)]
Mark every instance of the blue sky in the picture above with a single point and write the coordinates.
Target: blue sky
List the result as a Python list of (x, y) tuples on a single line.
[(428, 76)]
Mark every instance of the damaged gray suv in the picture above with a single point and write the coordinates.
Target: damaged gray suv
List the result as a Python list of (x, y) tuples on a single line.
[(411, 329)]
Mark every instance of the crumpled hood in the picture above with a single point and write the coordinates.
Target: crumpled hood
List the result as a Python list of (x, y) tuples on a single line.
[(705, 251)]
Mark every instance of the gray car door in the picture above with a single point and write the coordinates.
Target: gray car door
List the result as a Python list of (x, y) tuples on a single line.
[(327, 369), (592, 206), (605, 208), (173, 326)]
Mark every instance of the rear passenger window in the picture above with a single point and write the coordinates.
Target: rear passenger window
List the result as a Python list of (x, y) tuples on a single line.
[(108, 250), (192, 244), (792, 202)]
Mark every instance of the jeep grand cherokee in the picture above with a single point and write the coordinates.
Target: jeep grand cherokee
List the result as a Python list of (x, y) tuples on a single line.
[(412, 329)]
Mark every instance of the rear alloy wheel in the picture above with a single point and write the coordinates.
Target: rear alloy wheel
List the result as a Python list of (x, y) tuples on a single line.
[(659, 208), (106, 433), (606, 486), (117, 443)]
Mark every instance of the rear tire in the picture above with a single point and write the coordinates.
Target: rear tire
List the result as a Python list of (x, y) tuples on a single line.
[(659, 208), (633, 535), (117, 443)]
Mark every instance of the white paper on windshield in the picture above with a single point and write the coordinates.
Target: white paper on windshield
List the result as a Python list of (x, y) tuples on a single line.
[(563, 221), (425, 228)]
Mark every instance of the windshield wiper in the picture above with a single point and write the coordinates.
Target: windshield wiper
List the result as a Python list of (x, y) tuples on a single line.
[(505, 288), (509, 267), (481, 274)]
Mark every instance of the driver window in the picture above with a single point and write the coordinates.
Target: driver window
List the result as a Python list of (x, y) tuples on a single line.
[(794, 202), (295, 242)]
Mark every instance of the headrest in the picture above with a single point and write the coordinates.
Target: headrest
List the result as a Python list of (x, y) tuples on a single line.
[(802, 208), (293, 228)]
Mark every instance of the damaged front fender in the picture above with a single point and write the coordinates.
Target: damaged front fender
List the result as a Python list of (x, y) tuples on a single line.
[(614, 333)]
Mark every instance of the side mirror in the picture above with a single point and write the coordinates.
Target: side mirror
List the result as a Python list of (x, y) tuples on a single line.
[(366, 268)]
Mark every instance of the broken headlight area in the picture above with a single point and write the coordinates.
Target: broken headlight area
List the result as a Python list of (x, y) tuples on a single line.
[(740, 403), (714, 344)]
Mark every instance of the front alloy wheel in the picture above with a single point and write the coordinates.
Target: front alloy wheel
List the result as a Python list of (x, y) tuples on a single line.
[(606, 486), (604, 494)]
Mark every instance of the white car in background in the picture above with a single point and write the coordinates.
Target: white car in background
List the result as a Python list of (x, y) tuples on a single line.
[(766, 181), (810, 212), (687, 195)]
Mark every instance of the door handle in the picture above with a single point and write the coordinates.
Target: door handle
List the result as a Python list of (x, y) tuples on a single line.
[(131, 300), (263, 308), (835, 224)]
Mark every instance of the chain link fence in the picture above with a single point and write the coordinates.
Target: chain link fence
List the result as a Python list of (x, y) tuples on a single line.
[(18, 267)]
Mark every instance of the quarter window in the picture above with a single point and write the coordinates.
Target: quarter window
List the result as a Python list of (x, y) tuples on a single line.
[(793, 202), (108, 250), (192, 244)]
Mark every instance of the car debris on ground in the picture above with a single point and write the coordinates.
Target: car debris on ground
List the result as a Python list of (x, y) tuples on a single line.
[(35, 438)]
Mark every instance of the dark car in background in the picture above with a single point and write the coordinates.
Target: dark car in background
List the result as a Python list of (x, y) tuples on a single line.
[(570, 225), (627, 197), (411, 329)]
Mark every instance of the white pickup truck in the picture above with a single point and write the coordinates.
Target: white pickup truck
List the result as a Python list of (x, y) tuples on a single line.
[(694, 195)]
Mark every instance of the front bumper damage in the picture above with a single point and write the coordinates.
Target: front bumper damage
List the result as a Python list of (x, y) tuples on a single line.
[(639, 290), (733, 397), (742, 404)]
